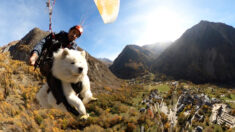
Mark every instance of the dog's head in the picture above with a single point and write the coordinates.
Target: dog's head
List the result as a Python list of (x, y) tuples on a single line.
[(69, 65)]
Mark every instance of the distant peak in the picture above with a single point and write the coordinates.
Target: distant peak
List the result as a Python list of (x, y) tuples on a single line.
[(132, 45), (204, 21), (36, 29), (205, 27)]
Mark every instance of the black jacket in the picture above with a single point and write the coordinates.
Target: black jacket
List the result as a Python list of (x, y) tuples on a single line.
[(54, 42)]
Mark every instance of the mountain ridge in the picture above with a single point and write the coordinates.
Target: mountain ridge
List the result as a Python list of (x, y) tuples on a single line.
[(136, 60), (131, 62), (204, 53)]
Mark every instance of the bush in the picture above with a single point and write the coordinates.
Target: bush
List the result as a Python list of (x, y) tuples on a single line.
[(130, 127), (94, 128), (182, 119), (232, 112), (164, 118)]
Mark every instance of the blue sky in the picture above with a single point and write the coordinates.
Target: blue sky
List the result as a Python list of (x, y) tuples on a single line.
[(139, 22)]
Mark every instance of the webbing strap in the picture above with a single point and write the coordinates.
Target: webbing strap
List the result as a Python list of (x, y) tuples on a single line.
[(50, 9)]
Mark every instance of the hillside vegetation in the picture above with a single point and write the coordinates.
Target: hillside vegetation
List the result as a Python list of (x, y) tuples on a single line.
[(115, 110), (20, 111)]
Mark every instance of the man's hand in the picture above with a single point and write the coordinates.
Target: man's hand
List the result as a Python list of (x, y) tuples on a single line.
[(33, 59)]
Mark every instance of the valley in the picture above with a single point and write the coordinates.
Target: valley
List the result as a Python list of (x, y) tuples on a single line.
[(184, 105)]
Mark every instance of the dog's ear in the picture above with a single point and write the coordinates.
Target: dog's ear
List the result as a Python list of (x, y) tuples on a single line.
[(83, 53), (65, 53)]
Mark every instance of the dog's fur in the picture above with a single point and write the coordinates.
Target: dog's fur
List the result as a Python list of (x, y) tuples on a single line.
[(65, 67)]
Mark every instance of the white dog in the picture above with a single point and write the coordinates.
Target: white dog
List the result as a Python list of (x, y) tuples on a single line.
[(69, 66)]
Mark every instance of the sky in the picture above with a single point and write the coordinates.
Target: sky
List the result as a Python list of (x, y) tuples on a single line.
[(139, 22)]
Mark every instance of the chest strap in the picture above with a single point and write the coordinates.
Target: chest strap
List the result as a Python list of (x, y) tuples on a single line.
[(55, 86), (77, 87)]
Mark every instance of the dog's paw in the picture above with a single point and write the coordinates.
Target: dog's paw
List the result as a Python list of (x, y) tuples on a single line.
[(84, 117), (94, 99)]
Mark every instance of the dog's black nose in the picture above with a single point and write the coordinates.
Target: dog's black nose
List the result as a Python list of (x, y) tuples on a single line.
[(80, 69)]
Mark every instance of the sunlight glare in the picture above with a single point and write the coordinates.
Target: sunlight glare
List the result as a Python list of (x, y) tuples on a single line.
[(161, 25)]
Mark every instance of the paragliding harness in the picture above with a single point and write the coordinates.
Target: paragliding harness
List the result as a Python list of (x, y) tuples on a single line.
[(52, 43), (45, 59), (45, 62)]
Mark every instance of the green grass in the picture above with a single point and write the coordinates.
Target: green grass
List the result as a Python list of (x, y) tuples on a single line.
[(146, 90), (139, 98), (211, 93), (232, 105), (230, 97), (160, 88)]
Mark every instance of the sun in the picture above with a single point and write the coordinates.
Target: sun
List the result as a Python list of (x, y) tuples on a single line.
[(161, 25)]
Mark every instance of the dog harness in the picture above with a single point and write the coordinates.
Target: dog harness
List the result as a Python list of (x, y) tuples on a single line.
[(55, 86)]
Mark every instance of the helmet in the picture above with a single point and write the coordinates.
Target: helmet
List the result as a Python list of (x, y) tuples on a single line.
[(78, 27)]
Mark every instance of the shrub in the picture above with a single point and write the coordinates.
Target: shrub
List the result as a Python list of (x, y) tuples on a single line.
[(164, 118), (141, 119), (232, 112), (130, 127), (166, 126), (108, 89), (182, 119), (38, 118), (115, 120), (94, 128)]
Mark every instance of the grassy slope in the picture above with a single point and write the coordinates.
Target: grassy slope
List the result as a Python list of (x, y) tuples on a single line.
[(114, 111), (20, 111)]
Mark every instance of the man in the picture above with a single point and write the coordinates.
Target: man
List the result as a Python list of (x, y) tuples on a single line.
[(52, 43), (42, 55), (55, 41)]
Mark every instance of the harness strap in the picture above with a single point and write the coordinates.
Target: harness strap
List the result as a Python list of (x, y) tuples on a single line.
[(50, 8), (77, 87), (55, 86)]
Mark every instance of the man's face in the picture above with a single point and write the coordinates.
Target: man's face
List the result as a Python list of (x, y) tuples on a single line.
[(73, 34)]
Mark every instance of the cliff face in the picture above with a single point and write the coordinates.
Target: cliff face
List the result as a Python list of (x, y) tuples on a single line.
[(22, 49), (133, 61), (204, 53)]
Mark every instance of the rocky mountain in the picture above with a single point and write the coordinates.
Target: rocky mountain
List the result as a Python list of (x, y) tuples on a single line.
[(7, 47), (106, 61), (204, 53), (157, 48), (132, 62), (21, 50), (98, 72)]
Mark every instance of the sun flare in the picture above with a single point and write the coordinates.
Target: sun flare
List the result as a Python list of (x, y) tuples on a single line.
[(161, 25)]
